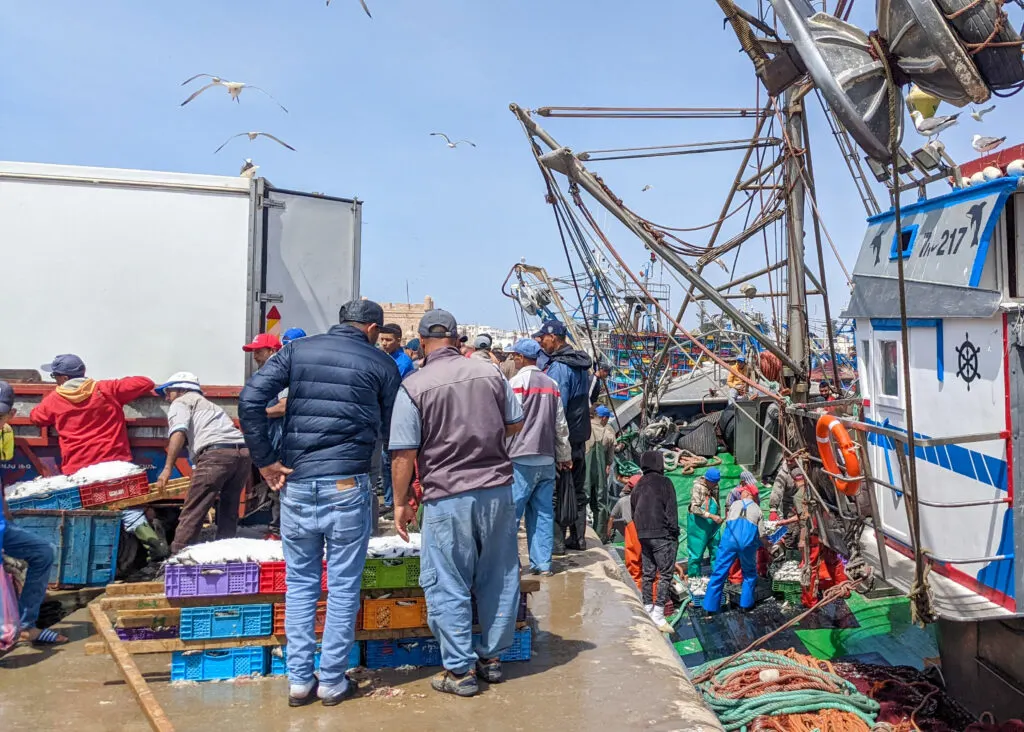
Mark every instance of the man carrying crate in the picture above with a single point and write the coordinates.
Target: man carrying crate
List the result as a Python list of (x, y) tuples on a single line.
[(91, 429), (22, 544), (452, 418)]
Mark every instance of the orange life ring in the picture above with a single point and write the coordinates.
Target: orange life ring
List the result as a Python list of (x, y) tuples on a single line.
[(828, 429)]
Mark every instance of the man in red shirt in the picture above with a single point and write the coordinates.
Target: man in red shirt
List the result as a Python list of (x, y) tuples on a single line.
[(91, 428), (88, 414)]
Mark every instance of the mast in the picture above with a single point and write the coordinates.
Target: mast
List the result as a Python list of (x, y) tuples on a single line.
[(796, 286)]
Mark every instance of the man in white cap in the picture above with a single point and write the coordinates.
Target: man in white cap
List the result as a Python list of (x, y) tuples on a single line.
[(220, 459)]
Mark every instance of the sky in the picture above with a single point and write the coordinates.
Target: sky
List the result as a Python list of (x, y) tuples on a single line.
[(99, 84)]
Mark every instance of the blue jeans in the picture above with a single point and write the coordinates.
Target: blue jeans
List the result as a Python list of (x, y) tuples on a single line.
[(534, 489), (332, 511), (39, 554), (385, 474), (470, 551)]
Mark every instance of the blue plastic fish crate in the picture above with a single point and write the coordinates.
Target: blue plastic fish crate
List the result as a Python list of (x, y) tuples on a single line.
[(85, 541), (229, 663), (522, 646), (402, 652), (226, 621), (63, 499), (278, 659)]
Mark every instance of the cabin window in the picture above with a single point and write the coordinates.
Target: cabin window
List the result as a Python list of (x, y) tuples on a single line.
[(890, 368), (906, 243)]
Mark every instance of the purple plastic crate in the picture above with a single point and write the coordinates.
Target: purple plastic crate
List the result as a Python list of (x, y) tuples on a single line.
[(139, 634), (212, 580)]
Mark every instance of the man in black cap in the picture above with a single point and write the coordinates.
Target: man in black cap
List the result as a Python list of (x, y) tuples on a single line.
[(571, 370), (452, 419), (341, 391)]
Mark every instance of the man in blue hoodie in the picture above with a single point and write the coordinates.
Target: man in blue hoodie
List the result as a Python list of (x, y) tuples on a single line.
[(341, 390), (571, 371)]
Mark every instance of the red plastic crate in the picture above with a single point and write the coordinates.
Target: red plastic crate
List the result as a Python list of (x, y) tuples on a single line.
[(321, 618), (272, 578), (97, 494)]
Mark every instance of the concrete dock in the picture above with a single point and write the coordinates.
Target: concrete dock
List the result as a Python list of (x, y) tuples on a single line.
[(598, 663)]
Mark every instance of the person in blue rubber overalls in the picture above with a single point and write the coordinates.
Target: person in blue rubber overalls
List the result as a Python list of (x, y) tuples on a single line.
[(742, 535)]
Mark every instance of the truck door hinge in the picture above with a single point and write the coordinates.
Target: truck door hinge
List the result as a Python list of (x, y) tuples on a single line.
[(271, 203), (271, 297)]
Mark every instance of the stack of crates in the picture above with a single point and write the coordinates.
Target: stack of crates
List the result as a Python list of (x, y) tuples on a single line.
[(230, 620)]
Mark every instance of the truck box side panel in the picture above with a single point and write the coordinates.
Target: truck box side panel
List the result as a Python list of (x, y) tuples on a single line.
[(135, 275), (311, 259)]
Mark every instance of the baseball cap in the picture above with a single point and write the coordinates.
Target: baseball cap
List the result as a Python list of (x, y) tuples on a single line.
[(6, 397), (741, 358), (527, 348), (361, 311), (713, 475), (603, 411), (482, 341), (413, 345), (748, 478), (66, 364), (293, 334), (263, 340), (184, 380), (551, 327), (442, 321)]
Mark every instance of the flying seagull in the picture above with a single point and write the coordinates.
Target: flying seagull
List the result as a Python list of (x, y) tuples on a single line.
[(234, 88), (986, 144), (646, 188), (248, 169), (932, 127), (977, 114), (361, 2), (252, 136), (449, 141)]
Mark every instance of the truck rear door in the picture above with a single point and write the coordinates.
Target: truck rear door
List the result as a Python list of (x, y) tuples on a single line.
[(306, 259)]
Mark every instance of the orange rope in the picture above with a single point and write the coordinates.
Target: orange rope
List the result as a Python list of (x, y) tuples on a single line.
[(827, 720)]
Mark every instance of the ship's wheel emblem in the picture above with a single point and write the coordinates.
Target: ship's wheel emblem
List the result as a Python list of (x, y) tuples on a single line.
[(967, 361)]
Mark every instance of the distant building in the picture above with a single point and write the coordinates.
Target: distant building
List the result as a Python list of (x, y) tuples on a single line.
[(407, 315)]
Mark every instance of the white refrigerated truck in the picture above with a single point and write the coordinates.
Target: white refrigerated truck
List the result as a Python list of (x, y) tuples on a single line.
[(143, 272)]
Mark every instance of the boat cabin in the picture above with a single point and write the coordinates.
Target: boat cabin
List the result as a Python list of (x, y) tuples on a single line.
[(964, 272)]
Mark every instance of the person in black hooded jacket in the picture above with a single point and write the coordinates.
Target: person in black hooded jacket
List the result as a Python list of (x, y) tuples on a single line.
[(656, 518)]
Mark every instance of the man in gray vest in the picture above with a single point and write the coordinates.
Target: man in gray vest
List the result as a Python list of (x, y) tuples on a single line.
[(543, 440), (452, 417)]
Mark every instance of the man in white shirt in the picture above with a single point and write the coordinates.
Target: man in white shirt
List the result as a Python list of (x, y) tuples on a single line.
[(220, 459)]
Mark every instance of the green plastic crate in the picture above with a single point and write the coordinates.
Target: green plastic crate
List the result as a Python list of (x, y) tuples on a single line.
[(791, 591), (391, 574)]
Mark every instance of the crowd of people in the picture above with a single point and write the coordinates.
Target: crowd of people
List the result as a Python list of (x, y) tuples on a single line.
[(461, 438)]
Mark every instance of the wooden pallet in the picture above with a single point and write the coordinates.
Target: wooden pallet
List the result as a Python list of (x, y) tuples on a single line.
[(173, 490), (168, 645)]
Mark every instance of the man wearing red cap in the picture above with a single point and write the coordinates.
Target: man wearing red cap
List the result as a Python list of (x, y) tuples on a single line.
[(262, 348)]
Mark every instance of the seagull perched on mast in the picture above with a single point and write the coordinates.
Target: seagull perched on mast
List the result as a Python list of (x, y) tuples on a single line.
[(986, 144), (361, 2), (932, 127), (234, 88), (978, 114), (248, 169), (252, 136), (449, 142)]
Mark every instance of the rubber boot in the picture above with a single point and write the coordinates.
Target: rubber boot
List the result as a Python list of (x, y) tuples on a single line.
[(156, 546)]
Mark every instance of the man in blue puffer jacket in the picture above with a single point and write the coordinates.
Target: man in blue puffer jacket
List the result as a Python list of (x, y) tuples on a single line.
[(341, 391), (571, 370)]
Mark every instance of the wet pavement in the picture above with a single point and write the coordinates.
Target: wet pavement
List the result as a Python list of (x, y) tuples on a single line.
[(598, 662)]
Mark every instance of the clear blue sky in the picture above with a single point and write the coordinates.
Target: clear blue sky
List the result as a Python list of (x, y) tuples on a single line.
[(98, 84)]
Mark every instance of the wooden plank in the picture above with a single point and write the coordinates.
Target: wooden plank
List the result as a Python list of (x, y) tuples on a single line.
[(168, 618), (155, 715), (135, 588), (173, 644)]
